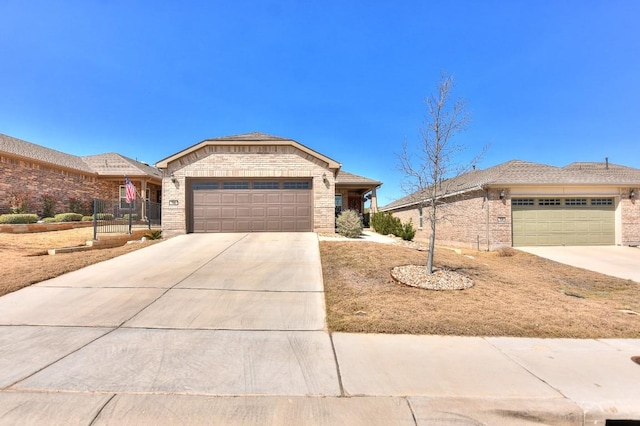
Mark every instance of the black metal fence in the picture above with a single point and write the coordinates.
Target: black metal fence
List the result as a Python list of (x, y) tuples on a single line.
[(120, 217)]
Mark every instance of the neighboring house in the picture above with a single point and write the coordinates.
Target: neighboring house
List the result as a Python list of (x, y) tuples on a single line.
[(38, 171), (519, 203), (257, 182)]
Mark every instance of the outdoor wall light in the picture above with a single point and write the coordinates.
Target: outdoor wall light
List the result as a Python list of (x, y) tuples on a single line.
[(502, 194), (324, 177), (173, 178), (632, 194)]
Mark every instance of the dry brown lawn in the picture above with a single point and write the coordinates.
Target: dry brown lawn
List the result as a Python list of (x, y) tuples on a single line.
[(25, 260), (522, 295)]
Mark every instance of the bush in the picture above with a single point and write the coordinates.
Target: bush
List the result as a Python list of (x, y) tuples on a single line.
[(385, 223), (78, 206), (49, 220), (87, 218), (104, 216), (20, 202), (153, 235), (506, 251), (349, 224), (407, 232), (68, 217), (49, 202), (134, 216), (18, 218)]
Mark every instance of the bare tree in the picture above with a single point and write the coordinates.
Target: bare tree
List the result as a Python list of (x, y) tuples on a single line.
[(430, 167)]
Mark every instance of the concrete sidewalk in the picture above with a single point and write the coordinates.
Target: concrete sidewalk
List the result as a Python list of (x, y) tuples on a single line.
[(230, 329)]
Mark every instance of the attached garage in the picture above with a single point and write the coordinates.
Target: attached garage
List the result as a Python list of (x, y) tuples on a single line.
[(563, 221), (232, 205)]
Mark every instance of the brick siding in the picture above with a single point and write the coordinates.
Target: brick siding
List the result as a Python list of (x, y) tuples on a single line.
[(630, 209), (217, 161), (466, 221), (38, 180)]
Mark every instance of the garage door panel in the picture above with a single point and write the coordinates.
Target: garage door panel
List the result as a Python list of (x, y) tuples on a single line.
[(247, 210), (565, 224)]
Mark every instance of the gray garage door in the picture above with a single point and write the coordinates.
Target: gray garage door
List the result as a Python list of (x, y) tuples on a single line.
[(563, 221), (251, 206)]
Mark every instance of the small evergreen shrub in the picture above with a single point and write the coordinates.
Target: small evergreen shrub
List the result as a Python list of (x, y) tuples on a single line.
[(133, 216), (49, 220), (87, 218), (19, 218), (407, 231), (104, 216), (49, 202), (68, 217), (385, 223), (349, 224)]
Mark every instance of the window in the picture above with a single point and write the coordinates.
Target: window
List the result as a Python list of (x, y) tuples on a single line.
[(522, 202), (602, 201), (575, 202), (338, 204), (235, 185), (266, 185), (549, 202), (199, 186), (123, 198), (292, 184)]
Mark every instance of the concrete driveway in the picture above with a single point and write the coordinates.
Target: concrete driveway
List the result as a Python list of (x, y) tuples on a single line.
[(617, 261), (222, 329)]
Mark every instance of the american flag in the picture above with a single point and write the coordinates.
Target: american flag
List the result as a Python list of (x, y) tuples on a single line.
[(131, 190)]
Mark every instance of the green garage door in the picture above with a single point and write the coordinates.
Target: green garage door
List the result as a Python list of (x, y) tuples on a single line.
[(563, 221)]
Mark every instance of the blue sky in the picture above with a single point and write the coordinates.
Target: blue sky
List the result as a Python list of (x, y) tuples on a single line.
[(545, 81)]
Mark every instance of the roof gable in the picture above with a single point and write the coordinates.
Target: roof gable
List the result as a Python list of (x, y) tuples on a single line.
[(346, 178), (248, 139), (112, 164)]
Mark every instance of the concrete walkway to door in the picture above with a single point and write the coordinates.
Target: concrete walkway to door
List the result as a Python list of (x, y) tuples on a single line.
[(617, 261)]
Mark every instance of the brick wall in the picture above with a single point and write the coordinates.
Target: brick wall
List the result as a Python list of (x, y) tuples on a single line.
[(245, 162), (468, 221), (630, 210), (38, 180)]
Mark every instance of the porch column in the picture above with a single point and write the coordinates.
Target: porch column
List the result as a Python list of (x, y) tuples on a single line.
[(374, 201), (143, 196)]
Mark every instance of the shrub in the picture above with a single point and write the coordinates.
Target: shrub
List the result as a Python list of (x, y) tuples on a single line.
[(134, 216), (68, 217), (104, 216), (49, 202), (385, 223), (407, 232), (49, 220), (153, 235), (18, 218), (87, 218), (349, 224), (20, 202), (78, 206), (506, 252)]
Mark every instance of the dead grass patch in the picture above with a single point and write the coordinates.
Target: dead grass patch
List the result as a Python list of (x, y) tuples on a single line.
[(520, 295), (25, 260)]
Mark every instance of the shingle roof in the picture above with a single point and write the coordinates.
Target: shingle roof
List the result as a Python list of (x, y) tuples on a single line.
[(517, 172), (111, 164), (253, 136), (347, 178), (32, 151)]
